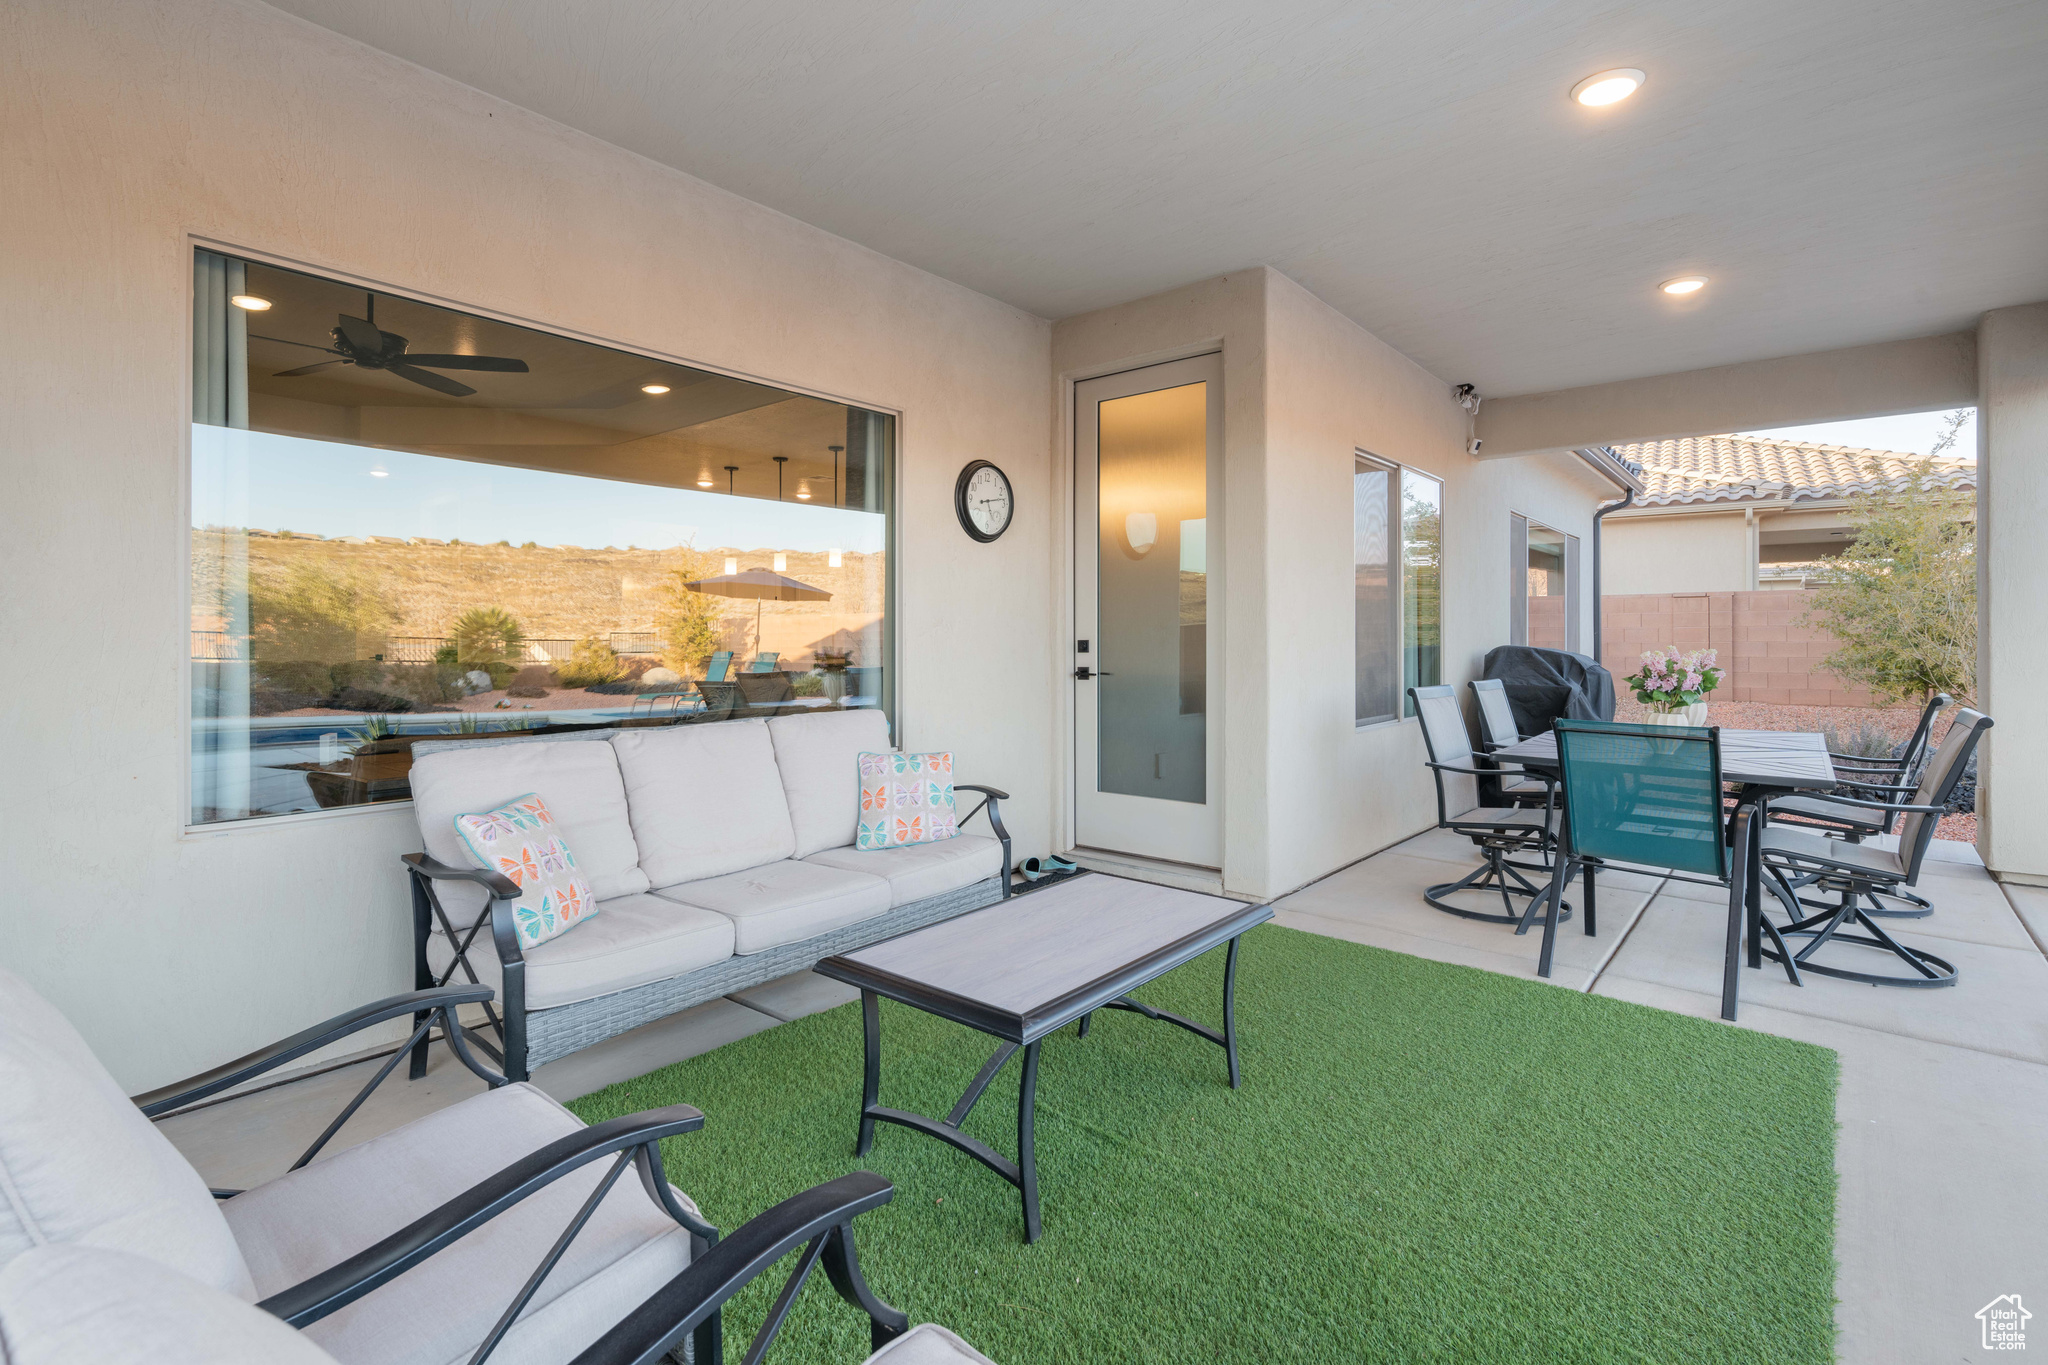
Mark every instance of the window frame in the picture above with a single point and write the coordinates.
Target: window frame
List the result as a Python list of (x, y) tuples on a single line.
[(193, 242), (1396, 470), (1519, 526)]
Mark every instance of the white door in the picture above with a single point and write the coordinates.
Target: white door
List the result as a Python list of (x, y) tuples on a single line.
[(1148, 465)]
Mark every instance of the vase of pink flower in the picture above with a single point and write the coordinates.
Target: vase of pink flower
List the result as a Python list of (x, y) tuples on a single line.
[(1674, 686)]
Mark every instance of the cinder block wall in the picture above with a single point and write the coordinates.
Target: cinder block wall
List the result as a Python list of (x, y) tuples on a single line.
[(1772, 657)]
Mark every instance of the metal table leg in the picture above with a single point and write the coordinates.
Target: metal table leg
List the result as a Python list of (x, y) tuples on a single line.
[(1027, 1151), (871, 1080)]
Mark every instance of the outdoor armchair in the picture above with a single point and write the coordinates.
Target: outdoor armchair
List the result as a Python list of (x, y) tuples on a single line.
[(497, 1227), (1514, 786), (1650, 796), (1496, 831), (1798, 858)]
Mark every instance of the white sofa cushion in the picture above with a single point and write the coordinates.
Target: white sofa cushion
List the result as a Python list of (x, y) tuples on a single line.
[(630, 941), (578, 778), (83, 1305), (437, 1312), (79, 1162), (706, 799), (928, 1344), (819, 758), (784, 902), (915, 871)]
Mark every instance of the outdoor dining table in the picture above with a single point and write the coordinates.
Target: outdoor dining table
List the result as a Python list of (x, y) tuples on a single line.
[(1761, 763)]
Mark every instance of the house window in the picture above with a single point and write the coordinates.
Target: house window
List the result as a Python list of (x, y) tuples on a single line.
[(1545, 587), (1397, 544), (412, 525)]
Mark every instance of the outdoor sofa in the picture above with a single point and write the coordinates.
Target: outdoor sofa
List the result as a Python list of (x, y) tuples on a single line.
[(721, 856)]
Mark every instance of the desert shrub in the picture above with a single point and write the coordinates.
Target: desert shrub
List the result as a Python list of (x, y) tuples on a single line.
[(427, 684), (592, 661), (807, 685), (1866, 740), (686, 621), (306, 677), (483, 636), (446, 655), (313, 611), (359, 673), (530, 681)]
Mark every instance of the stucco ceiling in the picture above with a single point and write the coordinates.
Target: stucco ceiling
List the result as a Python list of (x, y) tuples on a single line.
[(1847, 171)]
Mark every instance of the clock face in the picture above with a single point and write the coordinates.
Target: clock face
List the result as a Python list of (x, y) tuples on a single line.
[(984, 501)]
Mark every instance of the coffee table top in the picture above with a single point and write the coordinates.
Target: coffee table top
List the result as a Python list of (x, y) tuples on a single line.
[(1792, 760), (1021, 968)]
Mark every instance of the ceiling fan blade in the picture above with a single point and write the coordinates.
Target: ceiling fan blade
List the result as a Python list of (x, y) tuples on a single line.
[(430, 380), (309, 369), (285, 341), (362, 335), (467, 362)]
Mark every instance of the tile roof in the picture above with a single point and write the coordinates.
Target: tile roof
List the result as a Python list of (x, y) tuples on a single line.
[(1741, 469)]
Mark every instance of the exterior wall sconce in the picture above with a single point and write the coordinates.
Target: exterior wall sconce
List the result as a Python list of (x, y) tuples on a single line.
[(1141, 531)]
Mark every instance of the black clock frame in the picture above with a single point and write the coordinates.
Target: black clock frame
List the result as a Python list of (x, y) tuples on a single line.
[(960, 501)]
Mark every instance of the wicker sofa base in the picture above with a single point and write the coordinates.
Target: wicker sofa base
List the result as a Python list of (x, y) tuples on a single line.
[(555, 1033)]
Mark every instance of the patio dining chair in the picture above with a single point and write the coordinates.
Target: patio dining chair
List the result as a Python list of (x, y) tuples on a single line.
[(764, 662), (1887, 781), (1515, 786), (1650, 796), (1799, 858), (1497, 831)]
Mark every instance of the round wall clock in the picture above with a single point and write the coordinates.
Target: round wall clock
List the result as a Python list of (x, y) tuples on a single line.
[(984, 501)]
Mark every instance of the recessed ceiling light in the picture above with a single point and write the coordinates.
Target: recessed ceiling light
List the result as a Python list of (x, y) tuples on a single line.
[(704, 481), (252, 302), (1608, 87), (1684, 284), (654, 388), (380, 473)]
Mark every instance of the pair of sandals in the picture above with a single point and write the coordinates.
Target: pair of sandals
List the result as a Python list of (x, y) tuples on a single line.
[(1038, 869)]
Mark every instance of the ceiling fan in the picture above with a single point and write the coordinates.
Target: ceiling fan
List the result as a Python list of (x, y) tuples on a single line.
[(360, 342)]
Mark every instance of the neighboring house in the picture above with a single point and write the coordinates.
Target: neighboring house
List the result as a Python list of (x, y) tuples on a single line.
[(1734, 514)]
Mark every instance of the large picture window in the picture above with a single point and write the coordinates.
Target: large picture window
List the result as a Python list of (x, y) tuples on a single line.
[(1397, 577), (412, 525)]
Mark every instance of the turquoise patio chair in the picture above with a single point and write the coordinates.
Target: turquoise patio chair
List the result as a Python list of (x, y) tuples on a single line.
[(716, 669), (764, 663), (1650, 796)]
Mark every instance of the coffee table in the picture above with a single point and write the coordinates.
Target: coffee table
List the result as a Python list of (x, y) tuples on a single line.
[(1027, 966)]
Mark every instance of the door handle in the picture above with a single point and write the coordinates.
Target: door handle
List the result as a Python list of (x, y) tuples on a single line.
[(1082, 674)]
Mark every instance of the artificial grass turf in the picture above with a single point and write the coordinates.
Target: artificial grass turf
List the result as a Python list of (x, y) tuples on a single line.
[(1426, 1162)]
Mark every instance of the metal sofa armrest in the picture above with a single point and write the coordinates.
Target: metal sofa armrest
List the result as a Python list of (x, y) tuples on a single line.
[(822, 1216), (178, 1094), (633, 1138), (498, 884), (989, 797)]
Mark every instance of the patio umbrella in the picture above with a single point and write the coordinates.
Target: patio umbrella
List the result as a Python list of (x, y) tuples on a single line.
[(762, 585)]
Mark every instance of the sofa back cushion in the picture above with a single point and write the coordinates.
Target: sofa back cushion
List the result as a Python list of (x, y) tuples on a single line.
[(80, 1164), (579, 780), (819, 759), (706, 799), (68, 1305)]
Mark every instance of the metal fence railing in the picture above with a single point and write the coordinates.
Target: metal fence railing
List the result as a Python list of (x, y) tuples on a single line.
[(635, 642)]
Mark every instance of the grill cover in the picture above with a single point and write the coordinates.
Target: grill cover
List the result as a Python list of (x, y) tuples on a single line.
[(1544, 684)]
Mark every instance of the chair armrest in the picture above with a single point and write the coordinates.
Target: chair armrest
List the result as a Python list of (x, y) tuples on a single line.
[(341, 1285), (498, 884), (1864, 761), (826, 1212), (193, 1089), (1874, 786), (1545, 778), (1892, 807)]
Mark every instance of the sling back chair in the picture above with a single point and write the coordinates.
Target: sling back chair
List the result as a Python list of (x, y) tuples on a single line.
[(1888, 781), (1514, 785), (1650, 796), (1497, 831), (1797, 858)]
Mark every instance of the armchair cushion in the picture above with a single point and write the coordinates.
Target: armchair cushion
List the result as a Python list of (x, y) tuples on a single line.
[(818, 756), (578, 778), (706, 799), (439, 1311), (86, 1305), (784, 902), (520, 840), (80, 1164), (916, 871), (631, 941), (928, 1344)]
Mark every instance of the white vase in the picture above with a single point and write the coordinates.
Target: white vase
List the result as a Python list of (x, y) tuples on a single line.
[(1693, 715)]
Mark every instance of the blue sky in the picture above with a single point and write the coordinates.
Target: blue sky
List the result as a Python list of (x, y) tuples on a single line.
[(1915, 432), (288, 483)]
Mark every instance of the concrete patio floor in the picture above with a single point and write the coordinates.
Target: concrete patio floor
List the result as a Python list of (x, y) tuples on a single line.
[(1943, 1196)]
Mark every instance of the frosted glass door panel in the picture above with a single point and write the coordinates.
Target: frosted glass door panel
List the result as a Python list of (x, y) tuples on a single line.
[(1152, 594)]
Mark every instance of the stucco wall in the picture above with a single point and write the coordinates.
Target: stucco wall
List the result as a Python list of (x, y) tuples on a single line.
[(126, 128), (1711, 552), (1305, 790)]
